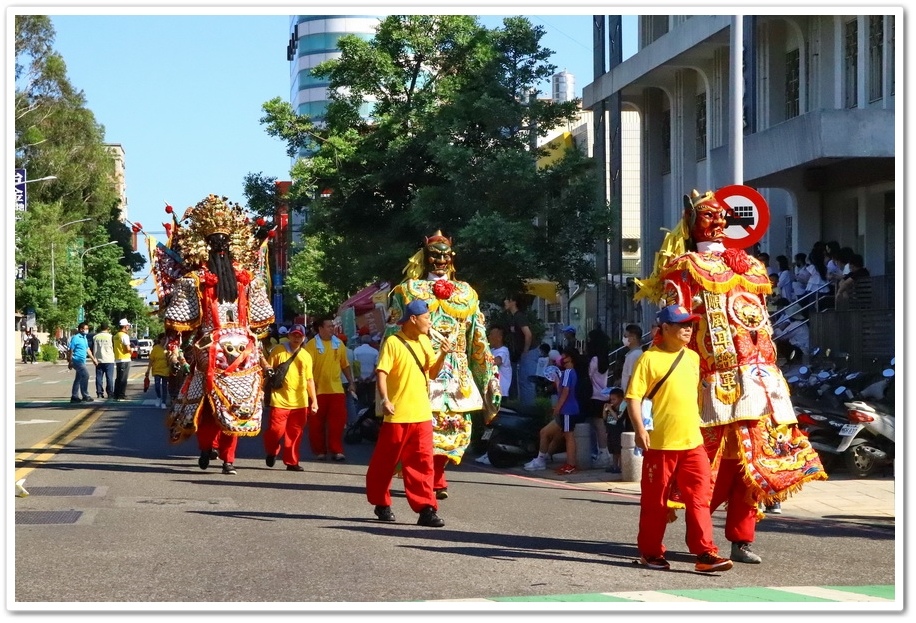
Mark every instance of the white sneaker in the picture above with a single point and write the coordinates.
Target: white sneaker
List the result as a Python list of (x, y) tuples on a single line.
[(536, 464)]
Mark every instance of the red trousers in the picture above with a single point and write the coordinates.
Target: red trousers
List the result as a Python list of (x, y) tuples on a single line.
[(690, 470), (439, 463), (326, 426), (286, 426), (412, 445), (740, 514), (210, 436)]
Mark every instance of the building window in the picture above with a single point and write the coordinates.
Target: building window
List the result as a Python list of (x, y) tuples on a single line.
[(701, 126), (793, 70), (851, 64), (666, 141), (875, 57), (890, 51)]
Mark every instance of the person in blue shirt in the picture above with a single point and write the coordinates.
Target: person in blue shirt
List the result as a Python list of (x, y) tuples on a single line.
[(76, 360), (566, 414)]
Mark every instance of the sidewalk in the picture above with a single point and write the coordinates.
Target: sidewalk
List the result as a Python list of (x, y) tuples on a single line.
[(839, 498)]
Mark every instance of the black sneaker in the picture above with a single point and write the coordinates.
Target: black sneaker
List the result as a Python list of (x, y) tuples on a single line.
[(430, 519), (442, 494), (88, 399), (75, 400), (214, 454), (229, 468), (384, 513), (270, 459), (295, 468), (204, 460), (655, 562)]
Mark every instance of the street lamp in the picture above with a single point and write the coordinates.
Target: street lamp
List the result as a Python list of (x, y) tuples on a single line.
[(53, 289), (98, 246)]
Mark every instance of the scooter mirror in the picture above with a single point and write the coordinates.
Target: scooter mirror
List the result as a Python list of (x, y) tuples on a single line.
[(839, 390), (887, 373)]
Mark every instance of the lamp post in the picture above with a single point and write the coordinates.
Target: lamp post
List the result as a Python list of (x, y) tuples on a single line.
[(53, 289)]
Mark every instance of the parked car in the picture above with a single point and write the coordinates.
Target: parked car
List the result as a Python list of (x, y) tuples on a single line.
[(144, 346)]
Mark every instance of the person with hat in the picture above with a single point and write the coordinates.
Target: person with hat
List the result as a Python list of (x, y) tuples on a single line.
[(291, 403), (469, 382), (121, 344), (283, 331), (331, 365), (756, 449), (103, 349), (673, 452), (406, 365)]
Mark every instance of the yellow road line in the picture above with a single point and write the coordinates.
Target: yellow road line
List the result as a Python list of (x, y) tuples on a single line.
[(44, 450)]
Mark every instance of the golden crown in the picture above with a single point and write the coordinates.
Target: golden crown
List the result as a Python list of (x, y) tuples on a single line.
[(215, 215)]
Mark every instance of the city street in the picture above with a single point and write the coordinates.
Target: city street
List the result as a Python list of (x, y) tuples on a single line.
[(116, 514)]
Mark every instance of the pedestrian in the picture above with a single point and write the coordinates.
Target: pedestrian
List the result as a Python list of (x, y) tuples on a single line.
[(103, 350), (847, 285), (566, 415), (76, 360), (406, 365), (518, 340), (289, 404), (597, 350), (468, 382), (121, 346), (365, 357), (617, 422), (501, 357), (785, 282), (161, 370), (673, 452), (329, 361), (30, 346), (801, 275)]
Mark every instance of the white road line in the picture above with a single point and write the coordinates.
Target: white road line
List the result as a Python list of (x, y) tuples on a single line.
[(828, 593), (50, 382), (654, 596)]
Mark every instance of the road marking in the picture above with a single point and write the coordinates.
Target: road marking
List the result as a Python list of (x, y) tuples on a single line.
[(36, 421), (650, 596), (50, 382), (45, 450), (832, 594)]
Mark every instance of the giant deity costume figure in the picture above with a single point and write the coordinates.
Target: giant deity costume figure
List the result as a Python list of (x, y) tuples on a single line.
[(469, 378), (214, 302), (757, 451)]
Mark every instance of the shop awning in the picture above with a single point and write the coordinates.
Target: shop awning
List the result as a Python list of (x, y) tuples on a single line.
[(543, 288)]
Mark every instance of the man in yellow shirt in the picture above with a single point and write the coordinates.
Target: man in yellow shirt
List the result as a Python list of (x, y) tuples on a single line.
[(669, 374), (121, 344), (289, 405), (329, 361), (406, 363)]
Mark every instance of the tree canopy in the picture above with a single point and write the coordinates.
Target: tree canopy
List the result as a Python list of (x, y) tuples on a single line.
[(449, 144), (56, 135)]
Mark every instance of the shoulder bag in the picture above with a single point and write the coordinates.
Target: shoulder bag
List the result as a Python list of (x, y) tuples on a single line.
[(279, 375), (646, 409)]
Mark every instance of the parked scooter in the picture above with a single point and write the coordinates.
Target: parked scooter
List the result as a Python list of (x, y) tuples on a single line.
[(868, 439), (513, 436)]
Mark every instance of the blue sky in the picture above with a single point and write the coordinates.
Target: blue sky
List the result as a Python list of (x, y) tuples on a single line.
[(182, 94)]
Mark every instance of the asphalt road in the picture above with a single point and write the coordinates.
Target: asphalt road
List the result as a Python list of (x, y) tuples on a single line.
[(150, 529)]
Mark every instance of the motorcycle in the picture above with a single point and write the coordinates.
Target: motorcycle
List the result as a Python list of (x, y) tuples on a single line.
[(513, 436), (868, 439)]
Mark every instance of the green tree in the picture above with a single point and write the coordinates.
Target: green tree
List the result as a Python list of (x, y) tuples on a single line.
[(449, 145), (55, 134)]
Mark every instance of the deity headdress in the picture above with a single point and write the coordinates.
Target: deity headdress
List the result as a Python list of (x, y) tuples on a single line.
[(416, 266), (218, 215)]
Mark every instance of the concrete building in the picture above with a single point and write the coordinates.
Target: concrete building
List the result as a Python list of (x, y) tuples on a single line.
[(117, 153), (819, 126)]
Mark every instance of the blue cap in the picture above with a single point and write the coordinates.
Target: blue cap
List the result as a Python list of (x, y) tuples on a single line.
[(569, 329), (674, 314), (416, 307)]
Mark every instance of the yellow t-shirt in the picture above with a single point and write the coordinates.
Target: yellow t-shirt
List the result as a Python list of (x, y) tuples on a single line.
[(159, 361), (408, 387), (328, 366), (676, 404), (294, 394), (121, 350)]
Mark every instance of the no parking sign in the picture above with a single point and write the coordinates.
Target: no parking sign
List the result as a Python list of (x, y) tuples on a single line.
[(747, 215)]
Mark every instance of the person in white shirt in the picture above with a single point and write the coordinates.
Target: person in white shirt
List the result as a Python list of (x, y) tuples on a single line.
[(632, 337), (365, 358), (500, 352)]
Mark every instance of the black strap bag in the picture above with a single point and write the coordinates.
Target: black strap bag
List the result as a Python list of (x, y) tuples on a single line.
[(279, 373)]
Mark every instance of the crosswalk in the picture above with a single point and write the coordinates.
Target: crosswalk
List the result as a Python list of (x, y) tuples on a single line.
[(875, 594)]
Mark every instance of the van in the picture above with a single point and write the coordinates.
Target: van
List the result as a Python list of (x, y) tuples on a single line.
[(144, 347)]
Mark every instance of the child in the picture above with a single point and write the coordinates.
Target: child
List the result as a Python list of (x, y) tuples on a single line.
[(617, 423), (565, 417)]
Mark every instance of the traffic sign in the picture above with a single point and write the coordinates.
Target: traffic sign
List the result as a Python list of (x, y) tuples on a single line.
[(747, 215)]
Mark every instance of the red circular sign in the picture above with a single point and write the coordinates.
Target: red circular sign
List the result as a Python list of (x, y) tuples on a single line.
[(747, 215)]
